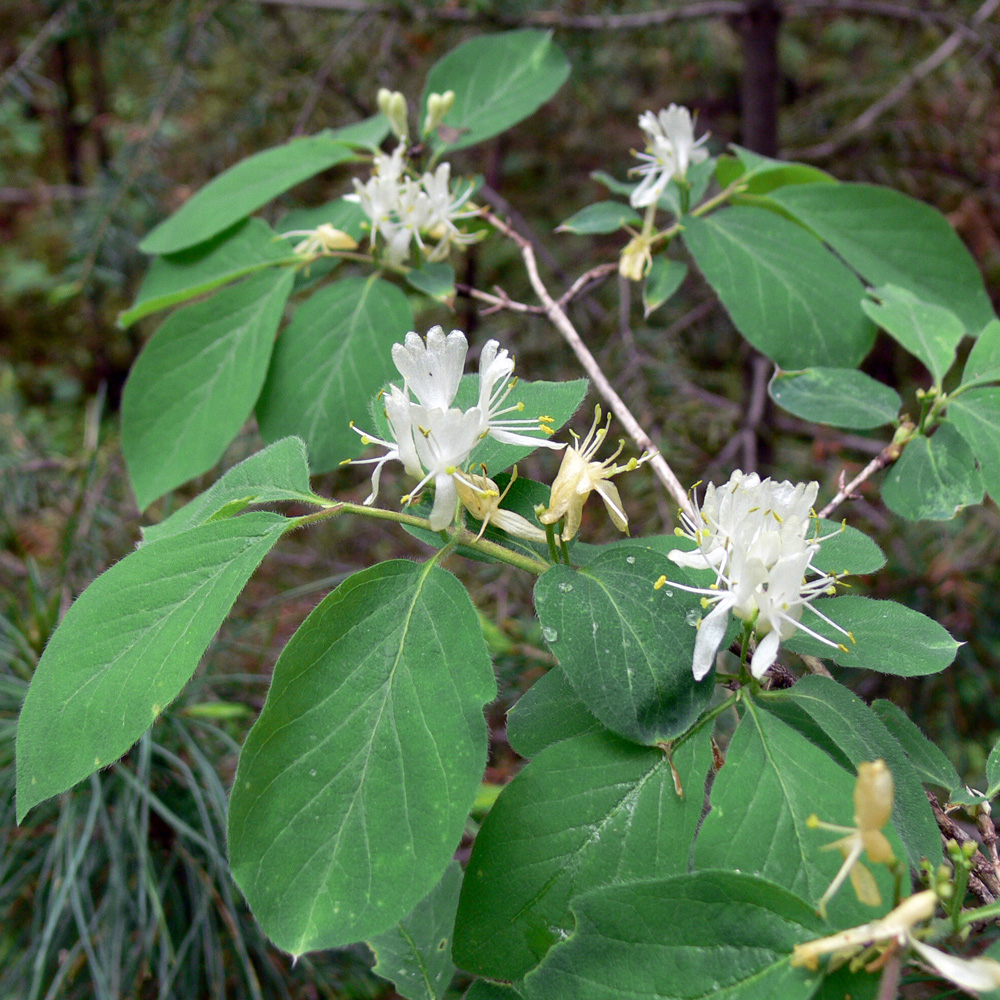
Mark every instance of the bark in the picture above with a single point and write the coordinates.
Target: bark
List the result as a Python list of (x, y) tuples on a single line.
[(759, 26)]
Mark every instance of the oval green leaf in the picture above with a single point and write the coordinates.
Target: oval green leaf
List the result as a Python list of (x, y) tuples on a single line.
[(935, 477), (244, 188), (354, 785), (331, 359), (888, 237), (664, 278), (889, 637), (838, 397), (983, 362), (585, 812), (196, 381), (845, 549), (127, 646), (498, 81), (788, 295), (929, 760), (976, 416), (722, 935), (601, 217), (549, 711), (626, 648)]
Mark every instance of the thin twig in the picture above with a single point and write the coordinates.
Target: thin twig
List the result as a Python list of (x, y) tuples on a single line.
[(562, 323), (983, 879), (924, 68), (586, 279), (885, 457), (51, 26), (498, 302)]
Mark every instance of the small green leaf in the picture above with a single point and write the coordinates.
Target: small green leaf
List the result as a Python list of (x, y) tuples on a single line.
[(244, 188), (436, 279), (248, 246), (773, 780), (664, 278), (838, 397), (723, 935), (626, 648), (614, 185), (416, 953), (848, 551), (127, 646), (354, 785), (983, 363), (601, 217), (279, 472), (761, 174), (483, 989), (931, 333), (889, 637), (331, 359), (993, 769), (888, 237), (859, 733), (196, 382), (498, 81), (789, 296), (976, 416), (549, 711), (934, 478), (584, 813), (929, 760)]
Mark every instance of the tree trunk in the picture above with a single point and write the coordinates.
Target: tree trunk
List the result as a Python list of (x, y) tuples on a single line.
[(758, 27)]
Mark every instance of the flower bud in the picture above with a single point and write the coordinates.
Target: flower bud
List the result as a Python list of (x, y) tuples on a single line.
[(393, 105), (438, 105), (636, 258), (873, 794)]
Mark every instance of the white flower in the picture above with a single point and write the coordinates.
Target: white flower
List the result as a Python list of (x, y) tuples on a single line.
[(482, 498), (431, 437), (579, 476), (670, 148), (754, 535)]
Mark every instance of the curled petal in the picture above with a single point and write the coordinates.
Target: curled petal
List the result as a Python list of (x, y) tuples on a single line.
[(711, 632)]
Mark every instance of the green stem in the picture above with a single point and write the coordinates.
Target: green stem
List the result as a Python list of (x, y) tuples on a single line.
[(461, 536), (967, 917), (709, 716), (550, 537), (723, 196)]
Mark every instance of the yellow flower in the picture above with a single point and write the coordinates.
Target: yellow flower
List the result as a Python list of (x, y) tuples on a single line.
[(873, 795), (481, 497), (579, 476)]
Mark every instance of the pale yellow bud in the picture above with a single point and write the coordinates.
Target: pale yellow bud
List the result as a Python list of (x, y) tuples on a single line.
[(873, 795), (393, 105), (636, 258), (438, 105)]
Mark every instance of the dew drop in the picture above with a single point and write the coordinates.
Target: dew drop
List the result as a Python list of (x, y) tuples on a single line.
[(312, 773), (630, 560), (693, 617), (668, 592), (565, 587), (550, 634)]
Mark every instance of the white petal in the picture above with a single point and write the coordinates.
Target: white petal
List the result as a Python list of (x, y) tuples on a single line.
[(969, 973), (445, 503), (433, 370), (711, 632), (765, 654)]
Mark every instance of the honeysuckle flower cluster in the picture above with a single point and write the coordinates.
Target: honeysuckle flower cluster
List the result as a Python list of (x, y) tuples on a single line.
[(757, 537), (434, 439), (899, 929), (873, 795), (403, 210), (670, 148), (579, 476)]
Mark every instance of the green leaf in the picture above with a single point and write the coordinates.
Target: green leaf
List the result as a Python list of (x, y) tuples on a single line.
[(279, 472), (354, 785), (614, 185), (244, 188), (601, 217), (664, 278), (549, 711), (347, 216), (983, 362), (761, 174), (859, 733), (976, 416), (626, 648), (890, 638), (331, 359), (773, 780), (723, 935), (435, 279), (249, 246), (993, 769), (483, 989), (838, 397), (847, 984), (934, 478), (931, 333), (791, 298), (585, 812), (196, 381), (498, 81), (127, 646), (848, 551), (887, 236), (416, 953), (929, 760)]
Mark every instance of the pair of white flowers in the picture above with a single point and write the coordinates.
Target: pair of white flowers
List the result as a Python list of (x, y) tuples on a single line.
[(670, 149), (403, 210), (433, 438), (758, 537)]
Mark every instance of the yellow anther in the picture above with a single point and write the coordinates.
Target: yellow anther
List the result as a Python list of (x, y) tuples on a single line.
[(660, 583)]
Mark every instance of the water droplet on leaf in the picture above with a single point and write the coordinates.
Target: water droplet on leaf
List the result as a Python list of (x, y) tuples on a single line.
[(630, 560), (550, 634), (565, 587), (692, 618)]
